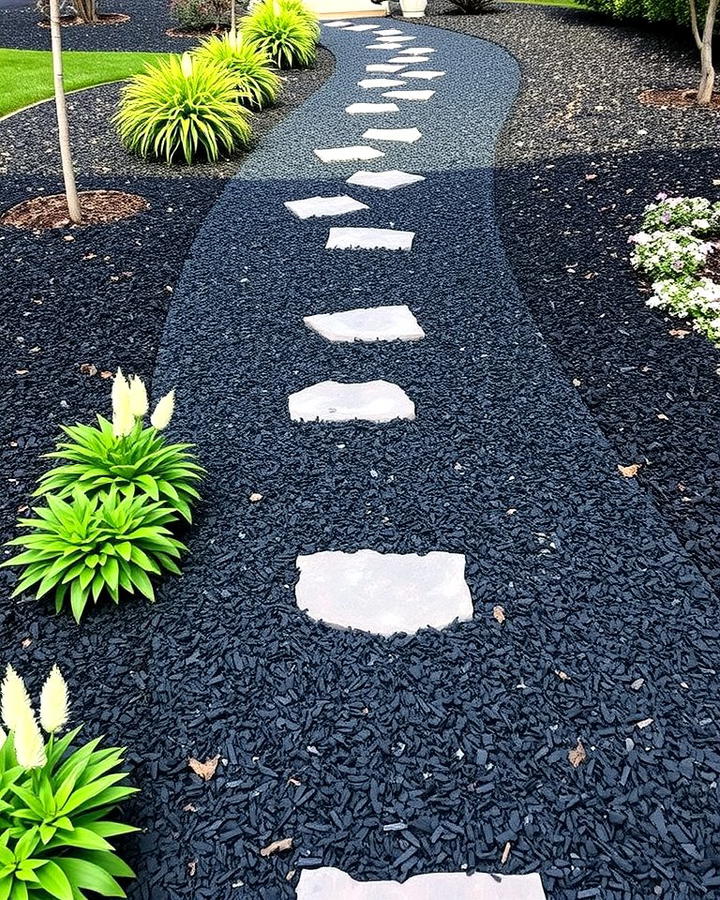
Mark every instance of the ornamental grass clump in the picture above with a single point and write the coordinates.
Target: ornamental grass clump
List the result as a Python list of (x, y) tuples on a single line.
[(186, 108), (257, 82), (283, 32), (125, 453), (56, 801)]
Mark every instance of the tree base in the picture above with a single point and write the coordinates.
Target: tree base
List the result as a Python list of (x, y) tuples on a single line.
[(97, 208), (102, 19), (677, 99)]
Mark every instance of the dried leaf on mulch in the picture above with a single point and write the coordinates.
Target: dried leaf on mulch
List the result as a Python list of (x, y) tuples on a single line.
[(505, 853), (277, 847), (577, 755), (206, 769), (629, 471), (499, 614)]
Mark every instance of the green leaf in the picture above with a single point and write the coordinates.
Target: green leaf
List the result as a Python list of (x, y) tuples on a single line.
[(90, 876), (55, 881)]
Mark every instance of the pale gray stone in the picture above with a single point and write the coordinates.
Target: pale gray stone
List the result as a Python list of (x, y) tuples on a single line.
[(409, 95), (404, 135), (418, 51), (384, 593), (426, 74), (317, 207), (369, 83), (369, 239), (384, 181), (361, 109), (385, 67), (334, 884), (361, 28), (335, 401), (394, 46), (342, 23), (396, 39), (388, 31), (409, 59), (345, 154), (377, 323)]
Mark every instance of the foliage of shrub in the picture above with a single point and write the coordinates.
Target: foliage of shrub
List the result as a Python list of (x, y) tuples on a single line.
[(249, 64), (669, 213), (694, 298), (195, 15), (180, 107), (667, 254), (649, 10), (305, 13), (474, 7), (91, 547), (283, 32), (55, 802)]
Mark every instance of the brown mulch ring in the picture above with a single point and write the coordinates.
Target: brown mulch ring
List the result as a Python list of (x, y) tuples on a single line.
[(102, 19), (96, 208), (677, 99)]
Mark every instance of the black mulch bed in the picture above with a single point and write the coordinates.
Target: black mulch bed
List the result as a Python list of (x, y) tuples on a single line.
[(578, 161)]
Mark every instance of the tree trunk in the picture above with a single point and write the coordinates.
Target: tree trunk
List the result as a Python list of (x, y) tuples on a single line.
[(61, 110), (704, 44), (86, 10), (233, 19)]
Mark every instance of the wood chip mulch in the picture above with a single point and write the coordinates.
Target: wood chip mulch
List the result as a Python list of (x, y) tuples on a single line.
[(97, 208)]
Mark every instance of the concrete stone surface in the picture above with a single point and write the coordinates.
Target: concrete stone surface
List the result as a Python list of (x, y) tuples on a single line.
[(317, 207), (389, 180), (345, 154), (385, 67), (369, 239), (335, 401), (369, 83), (409, 95), (378, 323), (361, 109), (426, 74), (407, 60), (404, 135)]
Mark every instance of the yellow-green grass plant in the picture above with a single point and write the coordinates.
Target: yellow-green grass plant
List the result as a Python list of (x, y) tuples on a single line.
[(56, 801), (305, 13), (283, 33), (183, 108), (256, 80)]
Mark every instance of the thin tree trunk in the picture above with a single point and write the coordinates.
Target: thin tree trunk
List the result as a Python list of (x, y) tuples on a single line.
[(61, 110), (704, 44), (233, 19)]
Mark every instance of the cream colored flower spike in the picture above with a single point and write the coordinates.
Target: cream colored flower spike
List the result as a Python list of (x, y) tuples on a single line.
[(54, 702)]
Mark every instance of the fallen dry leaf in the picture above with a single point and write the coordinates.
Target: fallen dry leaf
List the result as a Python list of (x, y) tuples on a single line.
[(294, 781), (629, 471), (498, 614), (25, 643), (277, 847), (678, 332), (206, 769), (255, 498), (505, 854), (577, 755), (563, 676), (106, 374), (643, 723), (88, 369), (189, 808), (663, 417), (192, 866), (511, 511)]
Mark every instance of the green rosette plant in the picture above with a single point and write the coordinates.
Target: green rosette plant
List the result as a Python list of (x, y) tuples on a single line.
[(282, 32), (56, 801), (258, 84)]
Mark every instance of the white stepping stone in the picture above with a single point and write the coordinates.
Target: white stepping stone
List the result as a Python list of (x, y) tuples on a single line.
[(359, 109), (397, 40), (361, 28), (383, 593), (384, 181), (330, 884), (409, 60), (369, 83), (427, 74), (404, 135), (379, 323), (369, 239), (409, 95), (345, 154), (418, 51), (388, 31), (383, 46), (335, 401), (341, 23), (316, 207), (384, 67)]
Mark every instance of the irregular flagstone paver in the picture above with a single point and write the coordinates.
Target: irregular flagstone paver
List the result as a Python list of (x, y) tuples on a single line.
[(385, 67), (383, 593), (385, 181), (342, 23), (345, 154), (394, 46), (427, 74), (398, 40), (361, 28), (388, 31), (369, 83), (418, 51), (409, 95), (369, 239), (316, 207), (336, 401), (361, 109), (404, 135), (376, 323), (409, 60), (333, 884)]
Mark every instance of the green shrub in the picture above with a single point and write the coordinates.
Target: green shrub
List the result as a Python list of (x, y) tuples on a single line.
[(250, 66), (305, 13), (474, 7), (281, 31), (55, 802), (95, 546), (196, 15), (180, 107), (649, 10)]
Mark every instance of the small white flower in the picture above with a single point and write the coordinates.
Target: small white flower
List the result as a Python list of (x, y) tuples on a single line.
[(54, 702), (163, 411), (16, 703), (138, 397), (29, 743)]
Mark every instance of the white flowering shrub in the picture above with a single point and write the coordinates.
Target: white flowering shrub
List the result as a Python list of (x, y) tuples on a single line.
[(668, 254), (669, 213), (694, 298)]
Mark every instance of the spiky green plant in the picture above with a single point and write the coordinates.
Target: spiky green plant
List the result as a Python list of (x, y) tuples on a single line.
[(89, 547), (284, 34), (179, 107), (305, 13), (256, 81)]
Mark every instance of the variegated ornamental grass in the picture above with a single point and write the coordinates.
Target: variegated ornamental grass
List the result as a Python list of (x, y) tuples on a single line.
[(284, 31), (250, 65)]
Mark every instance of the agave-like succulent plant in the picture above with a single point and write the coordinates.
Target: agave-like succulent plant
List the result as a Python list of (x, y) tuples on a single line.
[(283, 32), (257, 82)]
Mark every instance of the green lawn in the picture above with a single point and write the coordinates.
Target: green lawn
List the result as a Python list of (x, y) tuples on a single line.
[(26, 75)]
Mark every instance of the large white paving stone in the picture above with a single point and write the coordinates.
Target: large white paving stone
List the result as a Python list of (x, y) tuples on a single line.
[(341, 23), (418, 51), (386, 46), (369, 83), (361, 28), (384, 67), (345, 154), (383, 593), (377, 323), (316, 207), (388, 31), (334, 884), (397, 39), (369, 239), (427, 74), (409, 95), (384, 181), (409, 59), (360, 109), (335, 401), (404, 135)]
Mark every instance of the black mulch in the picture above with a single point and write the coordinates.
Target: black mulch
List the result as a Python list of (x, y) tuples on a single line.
[(579, 160)]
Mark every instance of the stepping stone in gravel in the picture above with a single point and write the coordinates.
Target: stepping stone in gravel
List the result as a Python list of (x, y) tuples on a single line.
[(369, 83), (359, 109), (379, 323), (317, 207), (427, 74), (385, 67), (361, 28), (409, 95), (418, 51), (404, 135), (335, 401), (408, 60), (384, 181), (397, 40), (388, 31), (383, 593), (345, 154), (383, 46), (339, 24), (369, 239), (329, 883)]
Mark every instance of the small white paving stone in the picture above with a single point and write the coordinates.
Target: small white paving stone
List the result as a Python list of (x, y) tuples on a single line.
[(341, 23), (369, 239), (361, 28), (385, 67), (359, 109), (378, 323), (383, 593), (384, 181), (418, 51), (383, 46), (332, 884), (317, 207), (397, 40), (335, 401), (345, 154), (407, 60), (404, 135), (388, 31), (426, 74), (409, 95), (369, 83)]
